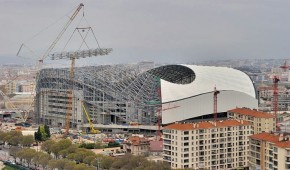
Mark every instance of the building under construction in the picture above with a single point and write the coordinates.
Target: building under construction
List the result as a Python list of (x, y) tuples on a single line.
[(120, 94), (134, 94)]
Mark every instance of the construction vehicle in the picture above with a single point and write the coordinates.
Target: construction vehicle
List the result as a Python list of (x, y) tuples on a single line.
[(92, 130)]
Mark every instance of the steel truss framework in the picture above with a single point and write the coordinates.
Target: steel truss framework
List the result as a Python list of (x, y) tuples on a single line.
[(113, 94)]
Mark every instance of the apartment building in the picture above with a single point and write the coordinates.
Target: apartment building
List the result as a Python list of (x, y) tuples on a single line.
[(261, 121), (269, 151), (211, 145), (10, 87)]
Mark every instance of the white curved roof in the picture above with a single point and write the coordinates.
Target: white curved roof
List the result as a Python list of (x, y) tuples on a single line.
[(206, 78)]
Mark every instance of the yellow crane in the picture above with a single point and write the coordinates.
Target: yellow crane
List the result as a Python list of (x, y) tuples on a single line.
[(89, 120)]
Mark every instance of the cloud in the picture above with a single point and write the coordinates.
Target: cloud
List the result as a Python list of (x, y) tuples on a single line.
[(164, 30)]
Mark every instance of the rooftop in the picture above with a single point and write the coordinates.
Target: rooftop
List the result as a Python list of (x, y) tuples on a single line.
[(136, 140), (207, 124), (250, 112), (277, 139)]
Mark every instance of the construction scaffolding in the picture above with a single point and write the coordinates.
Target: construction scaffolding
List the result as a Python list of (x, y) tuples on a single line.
[(116, 94)]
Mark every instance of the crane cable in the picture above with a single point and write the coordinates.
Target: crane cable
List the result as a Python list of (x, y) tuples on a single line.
[(83, 37)]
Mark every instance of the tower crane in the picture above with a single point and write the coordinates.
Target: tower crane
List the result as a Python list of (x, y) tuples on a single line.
[(275, 97), (60, 34), (215, 93), (51, 47), (285, 66), (73, 56)]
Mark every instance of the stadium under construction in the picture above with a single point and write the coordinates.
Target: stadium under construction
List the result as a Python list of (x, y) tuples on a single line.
[(129, 97)]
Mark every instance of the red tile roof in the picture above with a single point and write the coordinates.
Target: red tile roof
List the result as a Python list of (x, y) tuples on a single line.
[(273, 138), (283, 144), (207, 124), (254, 113), (156, 146), (136, 140)]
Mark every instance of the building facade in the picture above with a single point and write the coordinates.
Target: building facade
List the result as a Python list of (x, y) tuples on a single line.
[(137, 145), (210, 145), (269, 151), (261, 121)]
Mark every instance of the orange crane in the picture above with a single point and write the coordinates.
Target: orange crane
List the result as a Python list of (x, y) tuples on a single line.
[(285, 67), (275, 97), (215, 93)]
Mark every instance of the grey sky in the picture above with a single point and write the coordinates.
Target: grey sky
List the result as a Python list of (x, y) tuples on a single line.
[(168, 31)]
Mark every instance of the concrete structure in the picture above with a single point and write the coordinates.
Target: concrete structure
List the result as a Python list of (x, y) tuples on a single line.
[(137, 145), (269, 151), (261, 121), (209, 145)]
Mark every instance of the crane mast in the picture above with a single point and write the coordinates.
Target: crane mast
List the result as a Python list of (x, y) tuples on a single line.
[(215, 93), (275, 97), (61, 32)]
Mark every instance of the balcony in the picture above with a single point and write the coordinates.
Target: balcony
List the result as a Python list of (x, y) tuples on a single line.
[(201, 159), (167, 158), (166, 152), (167, 141)]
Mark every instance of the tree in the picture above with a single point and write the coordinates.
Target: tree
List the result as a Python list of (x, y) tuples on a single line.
[(2, 136), (47, 131), (13, 152), (27, 140), (60, 145), (89, 159), (27, 154), (107, 162), (63, 153), (59, 163), (82, 167), (44, 160), (113, 144), (42, 133), (13, 138), (36, 158), (70, 165), (47, 146)]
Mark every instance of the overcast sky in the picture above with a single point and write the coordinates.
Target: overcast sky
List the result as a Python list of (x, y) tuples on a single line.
[(167, 31)]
